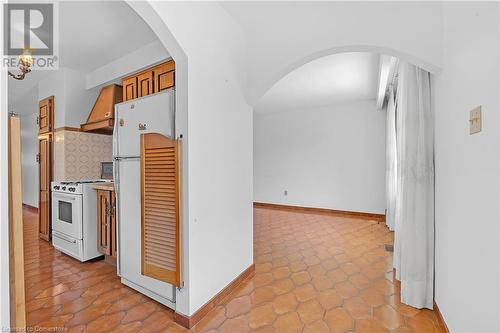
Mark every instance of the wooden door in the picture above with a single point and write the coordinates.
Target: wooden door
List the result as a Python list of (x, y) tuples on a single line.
[(160, 216), (145, 84), (45, 115), (164, 76), (45, 177), (113, 221), (103, 223), (129, 88)]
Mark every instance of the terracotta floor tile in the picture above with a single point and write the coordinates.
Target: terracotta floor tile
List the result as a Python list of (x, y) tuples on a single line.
[(285, 303), (314, 273), (233, 325), (281, 273), (282, 286), (357, 308), (301, 277), (305, 292), (262, 294), (369, 325), (212, 320), (238, 306), (88, 314), (338, 320), (126, 303), (76, 305), (158, 321), (288, 323), (310, 311), (264, 329), (329, 299), (56, 321), (140, 312), (105, 323), (388, 317), (40, 315), (372, 297), (297, 266), (127, 328), (359, 280), (346, 289), (317, 327), (261, 316), (264, 279)]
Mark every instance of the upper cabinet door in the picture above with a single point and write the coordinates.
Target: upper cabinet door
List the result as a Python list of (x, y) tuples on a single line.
[(145, 84), (164, 76), (45, 115), (129, 88)]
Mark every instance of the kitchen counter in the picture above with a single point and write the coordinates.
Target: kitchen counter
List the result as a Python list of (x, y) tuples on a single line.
[(104, 186)]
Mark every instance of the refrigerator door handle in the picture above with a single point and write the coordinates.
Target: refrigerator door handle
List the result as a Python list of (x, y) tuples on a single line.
[(119, 158)]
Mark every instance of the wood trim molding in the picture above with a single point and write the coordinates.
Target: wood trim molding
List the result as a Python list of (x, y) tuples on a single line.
[(343, 213), (441, 321), (68, 128), (32, 209), (169, 63), (189, 321), (16, 253)]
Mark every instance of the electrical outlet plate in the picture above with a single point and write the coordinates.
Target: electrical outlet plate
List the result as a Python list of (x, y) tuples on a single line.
[(475, 120)]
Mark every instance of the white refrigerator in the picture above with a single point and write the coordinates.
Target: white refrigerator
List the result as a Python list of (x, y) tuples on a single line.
[(150, 114)]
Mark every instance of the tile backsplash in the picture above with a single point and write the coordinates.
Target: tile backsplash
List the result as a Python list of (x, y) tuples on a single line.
[(78, 155)]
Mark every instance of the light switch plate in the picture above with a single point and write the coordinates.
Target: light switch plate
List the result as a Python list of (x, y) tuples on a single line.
[(475, 120)]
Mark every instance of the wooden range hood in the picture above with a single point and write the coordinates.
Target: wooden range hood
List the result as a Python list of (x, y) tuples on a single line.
[(102, 117)]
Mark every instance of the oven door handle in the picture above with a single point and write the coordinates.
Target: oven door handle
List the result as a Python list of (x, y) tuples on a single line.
[(65, 238), (64, 196)]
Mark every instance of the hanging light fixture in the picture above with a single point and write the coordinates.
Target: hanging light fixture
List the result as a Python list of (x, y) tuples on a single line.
[(25, 63)]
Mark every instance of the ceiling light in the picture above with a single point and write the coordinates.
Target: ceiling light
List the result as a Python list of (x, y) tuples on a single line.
[(25, 63)]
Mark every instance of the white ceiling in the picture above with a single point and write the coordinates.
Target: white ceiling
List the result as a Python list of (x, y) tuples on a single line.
[(94, 33), (338, 78), (91, 34)]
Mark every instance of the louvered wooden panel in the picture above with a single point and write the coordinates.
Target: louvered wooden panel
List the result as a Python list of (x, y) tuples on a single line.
[(160, 180)]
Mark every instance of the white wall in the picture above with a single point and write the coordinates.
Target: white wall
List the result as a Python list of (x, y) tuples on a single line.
[(79, 101), (73, 101), (141, 58), (278, 44), (219, 144), (467, 170), (329, 157), (53, 85), (27, 108)]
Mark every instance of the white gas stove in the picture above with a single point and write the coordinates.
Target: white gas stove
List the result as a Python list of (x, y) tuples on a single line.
[(74, 218)]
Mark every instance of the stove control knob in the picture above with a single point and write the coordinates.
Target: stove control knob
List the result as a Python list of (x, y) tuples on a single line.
[(63, 188), (71, 189), (56, 187)]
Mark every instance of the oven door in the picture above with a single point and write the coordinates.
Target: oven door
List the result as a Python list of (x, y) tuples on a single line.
[(67, 214)]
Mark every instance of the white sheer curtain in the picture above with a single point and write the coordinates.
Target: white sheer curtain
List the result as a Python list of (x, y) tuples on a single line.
[(391, 162), (414, 213)]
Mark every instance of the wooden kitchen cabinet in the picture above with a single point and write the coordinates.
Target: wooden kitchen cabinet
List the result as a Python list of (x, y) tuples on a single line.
[(129, 88), (149, 81), (106, 223), (164, 76), (145, 84)]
